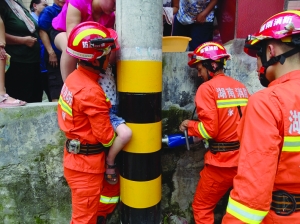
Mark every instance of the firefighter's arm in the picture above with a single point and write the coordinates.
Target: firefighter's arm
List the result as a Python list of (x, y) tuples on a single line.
[(250, 200), (207, 125), (96, 106)]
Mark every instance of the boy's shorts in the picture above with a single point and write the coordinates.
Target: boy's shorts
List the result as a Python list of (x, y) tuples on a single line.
[(53, 33), (114, 119), (55, 82)]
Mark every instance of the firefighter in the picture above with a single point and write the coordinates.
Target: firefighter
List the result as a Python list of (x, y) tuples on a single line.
[(267, 186), (220, 101), (83, 115)]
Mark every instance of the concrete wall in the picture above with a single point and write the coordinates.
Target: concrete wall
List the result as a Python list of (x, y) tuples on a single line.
[(32, 186)]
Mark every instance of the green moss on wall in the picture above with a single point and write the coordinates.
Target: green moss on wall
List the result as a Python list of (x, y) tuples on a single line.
[(18, 113), (172, 118)]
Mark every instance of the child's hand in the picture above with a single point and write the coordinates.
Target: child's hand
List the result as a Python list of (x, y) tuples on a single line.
[(2, 53)]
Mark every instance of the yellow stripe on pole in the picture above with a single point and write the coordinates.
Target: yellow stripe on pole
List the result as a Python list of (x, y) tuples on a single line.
[(140, 194), (139, 76), (146, 138)]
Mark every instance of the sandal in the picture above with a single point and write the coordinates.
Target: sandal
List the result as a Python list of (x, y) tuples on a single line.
[(111, 178), (6, 102)]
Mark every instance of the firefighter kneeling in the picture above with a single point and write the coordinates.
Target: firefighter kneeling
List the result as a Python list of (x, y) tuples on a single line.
[(83, 115), (220, 101)]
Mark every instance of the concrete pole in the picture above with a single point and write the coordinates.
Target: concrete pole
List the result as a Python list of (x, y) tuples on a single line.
[(139, 83)]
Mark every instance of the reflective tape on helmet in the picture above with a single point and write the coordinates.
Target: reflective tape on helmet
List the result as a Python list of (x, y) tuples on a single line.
[(291, 144), (210, 45), (79, 54), (244, 213), (109, 200), (64, 106), (85, 33), (202, 131), (231, 103)]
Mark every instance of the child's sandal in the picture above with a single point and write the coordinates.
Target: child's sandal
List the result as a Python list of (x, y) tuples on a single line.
[(111, 178)]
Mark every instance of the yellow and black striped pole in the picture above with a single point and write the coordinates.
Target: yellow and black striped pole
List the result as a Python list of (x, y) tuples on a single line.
[(139, 83)]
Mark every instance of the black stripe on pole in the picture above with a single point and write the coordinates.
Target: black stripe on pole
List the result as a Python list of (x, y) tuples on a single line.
[(140, 216), (140, 107), (141, 167)]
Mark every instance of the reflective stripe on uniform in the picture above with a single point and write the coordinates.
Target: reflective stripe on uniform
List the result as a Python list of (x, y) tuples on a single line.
[(65, 107), (202, 131), (109, 200), (244, 213), (231, 103), (291, 144), (110, 142)]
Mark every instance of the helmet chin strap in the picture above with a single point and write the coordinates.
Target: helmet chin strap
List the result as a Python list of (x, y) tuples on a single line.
[(209, 68), (209, 74), (265, 64), (99, 67)]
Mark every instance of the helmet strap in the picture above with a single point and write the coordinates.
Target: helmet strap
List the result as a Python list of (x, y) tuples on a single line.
[(209, 74), (98, 68), (265, 64), (101, 62), (210, 70)]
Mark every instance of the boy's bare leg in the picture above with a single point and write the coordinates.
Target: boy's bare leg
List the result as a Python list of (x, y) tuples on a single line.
[(124, 134), (67, 62)]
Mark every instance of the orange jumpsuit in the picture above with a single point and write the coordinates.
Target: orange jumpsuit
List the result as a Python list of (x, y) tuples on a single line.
[(83, 114), (269, 153), (216, 102)]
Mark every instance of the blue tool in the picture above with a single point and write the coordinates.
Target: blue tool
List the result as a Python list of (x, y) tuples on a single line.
[(175, 140)]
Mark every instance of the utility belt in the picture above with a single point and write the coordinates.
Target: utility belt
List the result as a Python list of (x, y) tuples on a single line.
[(74, 146), (215, 147), (284, 203)]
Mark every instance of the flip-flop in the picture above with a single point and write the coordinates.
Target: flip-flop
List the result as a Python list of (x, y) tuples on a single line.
[(14, 103)]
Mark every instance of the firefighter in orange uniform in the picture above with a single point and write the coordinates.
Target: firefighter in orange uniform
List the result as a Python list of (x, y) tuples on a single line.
[(220, 102), (267, 186), (83, 115)]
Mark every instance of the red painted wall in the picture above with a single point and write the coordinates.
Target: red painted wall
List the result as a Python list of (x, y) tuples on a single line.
[(238, 18), (226, 16), (252, 13)]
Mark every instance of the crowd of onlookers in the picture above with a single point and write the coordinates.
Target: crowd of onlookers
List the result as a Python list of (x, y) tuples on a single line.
[(191, 18), (33, 67), (33, 58)]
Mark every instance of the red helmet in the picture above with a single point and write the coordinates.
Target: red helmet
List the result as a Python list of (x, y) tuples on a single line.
[(207, 51), (90, 40), (279, 26)]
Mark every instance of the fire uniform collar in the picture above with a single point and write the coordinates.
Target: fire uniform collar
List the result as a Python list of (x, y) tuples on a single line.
[(218, 75), (88, 73), (293, 75)]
